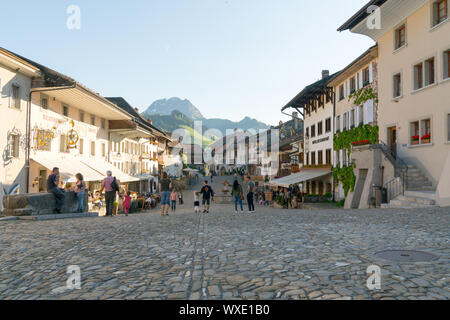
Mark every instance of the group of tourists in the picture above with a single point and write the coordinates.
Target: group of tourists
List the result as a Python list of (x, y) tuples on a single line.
[(60, 194)]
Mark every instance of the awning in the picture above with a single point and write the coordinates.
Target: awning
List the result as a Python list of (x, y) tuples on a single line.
[(300, 177), (103, 167), (68, 166)]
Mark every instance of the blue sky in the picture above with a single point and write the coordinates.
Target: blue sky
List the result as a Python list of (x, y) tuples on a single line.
[(230, 58)]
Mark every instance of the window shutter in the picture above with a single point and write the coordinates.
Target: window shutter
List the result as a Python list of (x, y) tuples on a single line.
[(348, 88), (356, 120), (335, 119), (370, 116), (371, 73), (361, 84)]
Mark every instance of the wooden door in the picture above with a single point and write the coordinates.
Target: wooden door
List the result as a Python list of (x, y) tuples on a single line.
[(393, 140)]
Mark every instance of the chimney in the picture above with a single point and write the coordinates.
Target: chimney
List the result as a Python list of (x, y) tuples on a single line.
[(325, 74)]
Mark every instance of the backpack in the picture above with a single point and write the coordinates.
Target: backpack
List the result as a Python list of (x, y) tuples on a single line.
[(115, 185)]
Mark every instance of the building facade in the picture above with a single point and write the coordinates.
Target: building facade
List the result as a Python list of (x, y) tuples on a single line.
[(16, 76), (414, 89)]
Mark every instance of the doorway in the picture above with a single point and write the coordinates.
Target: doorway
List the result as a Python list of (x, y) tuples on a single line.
[(42, 180), (393, 140)]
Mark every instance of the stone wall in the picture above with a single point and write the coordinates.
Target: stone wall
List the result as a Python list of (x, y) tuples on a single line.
[(39, 204)]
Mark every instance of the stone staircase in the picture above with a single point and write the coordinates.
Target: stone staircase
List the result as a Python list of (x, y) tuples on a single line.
[(419, 193)]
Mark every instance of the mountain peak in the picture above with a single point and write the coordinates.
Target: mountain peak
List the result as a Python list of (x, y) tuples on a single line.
[(167, 106)]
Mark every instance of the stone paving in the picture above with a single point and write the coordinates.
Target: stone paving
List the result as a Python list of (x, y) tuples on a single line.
[(270, 254)]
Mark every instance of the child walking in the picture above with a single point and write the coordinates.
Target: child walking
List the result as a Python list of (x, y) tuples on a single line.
[(127, 203), (173, 200), (196, 202)]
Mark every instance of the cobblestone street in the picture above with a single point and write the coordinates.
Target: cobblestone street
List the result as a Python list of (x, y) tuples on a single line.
[(271, 254)]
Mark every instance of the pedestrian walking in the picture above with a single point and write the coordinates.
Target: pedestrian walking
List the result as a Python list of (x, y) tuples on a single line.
[(80, 189), (197, 202), (208, 195), (180, 198), (173, 200), (211, 175), (250, 195), (164, 188), (238, 195), (53, 187), (127, 203), (111, 187)]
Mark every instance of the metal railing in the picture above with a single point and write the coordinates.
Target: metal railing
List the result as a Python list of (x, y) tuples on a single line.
[(397, 186)]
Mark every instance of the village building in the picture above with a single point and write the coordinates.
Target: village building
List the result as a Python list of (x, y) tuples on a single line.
[(356, 89), (16, 76), (414, 93), (316, 105)]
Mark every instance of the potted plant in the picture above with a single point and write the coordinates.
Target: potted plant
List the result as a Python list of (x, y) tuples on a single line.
[(415, 140), (426, 138)]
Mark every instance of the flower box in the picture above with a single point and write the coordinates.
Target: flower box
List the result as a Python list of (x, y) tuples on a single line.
[(360, 143), (414, 142), (426, 139)]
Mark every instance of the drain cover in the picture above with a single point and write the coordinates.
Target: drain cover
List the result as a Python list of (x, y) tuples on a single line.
[(406, 256)]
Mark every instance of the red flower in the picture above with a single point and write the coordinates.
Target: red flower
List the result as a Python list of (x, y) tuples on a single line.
[(427, 136)]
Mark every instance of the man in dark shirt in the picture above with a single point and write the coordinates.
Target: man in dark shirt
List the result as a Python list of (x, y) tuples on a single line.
[(207, 194), (53, 187)]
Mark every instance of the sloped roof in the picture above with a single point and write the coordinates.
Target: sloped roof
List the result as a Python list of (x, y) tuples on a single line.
[(360, 15), (124, 105), (315, 88)]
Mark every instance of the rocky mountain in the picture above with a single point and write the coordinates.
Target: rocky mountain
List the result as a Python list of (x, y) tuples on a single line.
[(173, 113), (165, 107)]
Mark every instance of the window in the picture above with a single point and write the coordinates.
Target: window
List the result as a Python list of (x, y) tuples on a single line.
[(421, 132), (81, 116), (341, 92), (103, 150), (418, 76), (400, 37), (448, 127), (446, 67), (81, 146), (328, 125), (93, 148), (93, 120), (415, 138), (429, 69), (307, 132), (366, 77), (103, 124), (62, 143), (440, 11), (320, 128), (426, 131), (320, 157), (352, 85), (15, 97), (65, 110), (397, 85), (345, 121), (313, 131), (338, 124), (328, 156), (313, 158), (14, 141), (44, 103)]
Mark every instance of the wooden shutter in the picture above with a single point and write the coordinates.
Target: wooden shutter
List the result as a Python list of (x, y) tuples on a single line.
[(371, 72)]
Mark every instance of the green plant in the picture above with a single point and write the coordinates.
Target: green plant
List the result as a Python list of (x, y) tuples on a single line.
[(341, 203), (362, 95), (328, 195), (344, 140), (346, 176)]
